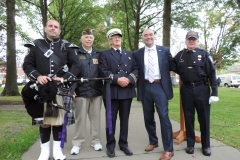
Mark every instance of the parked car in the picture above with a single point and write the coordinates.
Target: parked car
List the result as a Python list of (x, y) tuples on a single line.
[(22, 80), (230, 80), (2, 78)]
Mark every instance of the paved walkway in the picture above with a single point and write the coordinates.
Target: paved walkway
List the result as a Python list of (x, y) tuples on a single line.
[(138, 140)]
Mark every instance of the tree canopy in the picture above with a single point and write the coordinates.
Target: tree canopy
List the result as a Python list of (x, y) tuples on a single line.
[(217, 22)]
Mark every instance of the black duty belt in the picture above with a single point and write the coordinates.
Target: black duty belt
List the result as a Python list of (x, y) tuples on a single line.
[(193, 84)]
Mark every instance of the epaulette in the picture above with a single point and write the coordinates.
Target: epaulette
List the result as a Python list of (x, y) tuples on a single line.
[(29, 44), (65, 41), (73, 46)]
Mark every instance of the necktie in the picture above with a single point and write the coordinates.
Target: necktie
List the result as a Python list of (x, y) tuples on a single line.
[(118, 51), (190, 66), (150, 66)]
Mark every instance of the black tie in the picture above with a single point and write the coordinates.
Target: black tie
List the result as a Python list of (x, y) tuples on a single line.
[(190, 66), (118, 51)]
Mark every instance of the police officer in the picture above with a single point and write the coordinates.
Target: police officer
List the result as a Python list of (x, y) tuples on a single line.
[(47, 57), (197, 72), (88, 101), (120, 65)]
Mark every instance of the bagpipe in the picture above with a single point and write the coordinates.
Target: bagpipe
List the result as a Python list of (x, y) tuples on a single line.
[(34, 96)]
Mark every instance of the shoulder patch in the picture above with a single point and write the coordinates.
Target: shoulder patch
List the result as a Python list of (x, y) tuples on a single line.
[(210, 58), (29, 44), (73, 46)]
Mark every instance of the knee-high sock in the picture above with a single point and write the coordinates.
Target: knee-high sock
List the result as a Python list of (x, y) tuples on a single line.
[(57, 133), (45, 134)]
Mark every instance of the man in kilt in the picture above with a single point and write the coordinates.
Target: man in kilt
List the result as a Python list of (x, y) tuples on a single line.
[(48, 69)]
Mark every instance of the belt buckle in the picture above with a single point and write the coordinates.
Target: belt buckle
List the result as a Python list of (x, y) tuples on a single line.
[(192, 84)]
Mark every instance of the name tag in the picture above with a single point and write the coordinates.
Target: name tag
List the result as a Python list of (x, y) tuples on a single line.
[(95, 61), (82, 57)]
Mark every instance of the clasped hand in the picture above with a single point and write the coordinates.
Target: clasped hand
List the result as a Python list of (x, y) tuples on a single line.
[(123, 81)]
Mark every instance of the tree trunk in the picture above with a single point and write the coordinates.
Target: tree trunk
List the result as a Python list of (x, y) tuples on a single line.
[(11, 88), (167, 23), (43, 8)]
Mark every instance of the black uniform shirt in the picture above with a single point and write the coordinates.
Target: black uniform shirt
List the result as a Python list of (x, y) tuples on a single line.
[(202, 66), (36, 64)]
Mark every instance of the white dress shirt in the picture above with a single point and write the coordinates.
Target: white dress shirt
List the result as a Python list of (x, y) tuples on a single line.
[(117, 49), (156, 64)]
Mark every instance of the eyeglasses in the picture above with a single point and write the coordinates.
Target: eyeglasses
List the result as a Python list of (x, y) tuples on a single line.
[(115, 37), (192, 39)]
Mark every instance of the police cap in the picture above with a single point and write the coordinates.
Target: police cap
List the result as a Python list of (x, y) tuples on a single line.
[(192, 34)]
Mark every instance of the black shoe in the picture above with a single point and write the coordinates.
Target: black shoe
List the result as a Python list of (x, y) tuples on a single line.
[(190, 150), (110, 152), (126, 150), (206, 151)]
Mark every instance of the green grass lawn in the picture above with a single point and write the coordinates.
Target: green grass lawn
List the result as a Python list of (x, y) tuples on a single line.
[(11, 99), (225, 119), (17, 133)]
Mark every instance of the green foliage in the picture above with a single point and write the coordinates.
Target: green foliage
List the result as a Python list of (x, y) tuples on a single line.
[(132, 17), (185, 14), (222, 34), (2, 15)]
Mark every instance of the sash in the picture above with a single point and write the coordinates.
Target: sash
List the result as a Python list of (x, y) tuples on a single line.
[(109, 108), (49, 53)]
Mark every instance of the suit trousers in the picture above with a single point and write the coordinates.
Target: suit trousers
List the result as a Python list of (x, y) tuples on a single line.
[(122, 106), (196, 98), (90, 107), (155, 100)]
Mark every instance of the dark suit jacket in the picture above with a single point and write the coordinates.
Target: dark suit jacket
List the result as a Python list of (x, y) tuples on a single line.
[(110, 64), (166, 64)]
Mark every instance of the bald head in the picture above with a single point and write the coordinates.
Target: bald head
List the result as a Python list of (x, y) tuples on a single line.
[(148, 37)]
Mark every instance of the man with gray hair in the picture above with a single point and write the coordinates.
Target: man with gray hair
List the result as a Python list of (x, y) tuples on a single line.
[(88, 100), (199, 89), (120, 66)]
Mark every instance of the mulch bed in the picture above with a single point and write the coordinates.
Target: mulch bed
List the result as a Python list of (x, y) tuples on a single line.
[(12, 105), (3, 102)]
